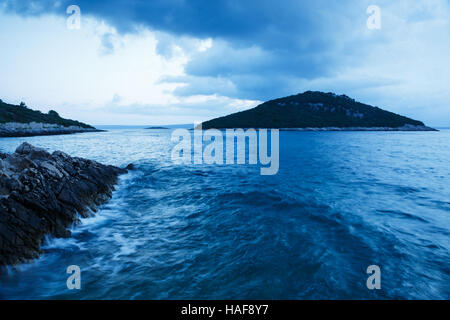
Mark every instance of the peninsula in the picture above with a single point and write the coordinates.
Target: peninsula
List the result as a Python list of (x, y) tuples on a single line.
[(21, 121)]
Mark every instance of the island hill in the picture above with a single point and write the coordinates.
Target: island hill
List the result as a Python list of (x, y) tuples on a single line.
[(20, 121), (314, 110)]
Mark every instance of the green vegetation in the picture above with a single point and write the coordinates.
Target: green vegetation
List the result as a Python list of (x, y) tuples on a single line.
[(312, 109), (22, 114)]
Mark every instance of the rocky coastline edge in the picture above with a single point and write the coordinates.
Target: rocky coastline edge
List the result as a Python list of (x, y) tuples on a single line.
[(43, 194)]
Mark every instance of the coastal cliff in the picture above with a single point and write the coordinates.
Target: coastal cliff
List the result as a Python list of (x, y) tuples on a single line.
[(44, 194), (21, 121), (317, 111)]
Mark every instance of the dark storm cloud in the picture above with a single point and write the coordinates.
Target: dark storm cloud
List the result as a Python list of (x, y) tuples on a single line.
[(260, 47)]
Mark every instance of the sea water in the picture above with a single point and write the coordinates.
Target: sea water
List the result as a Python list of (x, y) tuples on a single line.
[(340, 202)]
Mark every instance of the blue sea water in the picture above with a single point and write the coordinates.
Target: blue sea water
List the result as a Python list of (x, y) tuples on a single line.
[(340, 202)]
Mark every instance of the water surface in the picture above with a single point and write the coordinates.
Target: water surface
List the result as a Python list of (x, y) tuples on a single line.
[(340, 202)]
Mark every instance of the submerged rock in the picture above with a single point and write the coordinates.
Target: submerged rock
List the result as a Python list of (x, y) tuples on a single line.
[(44, 194)]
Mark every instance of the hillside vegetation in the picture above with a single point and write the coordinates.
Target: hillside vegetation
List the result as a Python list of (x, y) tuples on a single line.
[(22, 114), (312, 109)]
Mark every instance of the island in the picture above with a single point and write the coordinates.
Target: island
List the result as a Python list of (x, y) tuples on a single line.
[(43, 194), (21, 121), (317, 111), (156, 128)]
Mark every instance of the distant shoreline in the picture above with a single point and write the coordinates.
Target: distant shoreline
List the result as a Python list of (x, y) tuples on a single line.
[(156, 128), (403, 128), (15, 129), (45, 133)]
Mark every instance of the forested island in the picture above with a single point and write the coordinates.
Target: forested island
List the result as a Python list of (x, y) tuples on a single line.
[(314, 110)]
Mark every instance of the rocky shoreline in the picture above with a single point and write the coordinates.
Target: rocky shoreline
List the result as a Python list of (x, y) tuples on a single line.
[(406, 127), (16, 129), (44, 194)]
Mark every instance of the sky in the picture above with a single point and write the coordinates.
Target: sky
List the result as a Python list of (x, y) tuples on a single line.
[(159, 62)]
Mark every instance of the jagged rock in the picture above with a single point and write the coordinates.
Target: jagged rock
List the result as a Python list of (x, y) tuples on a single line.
[(34, 152), (44, 194)]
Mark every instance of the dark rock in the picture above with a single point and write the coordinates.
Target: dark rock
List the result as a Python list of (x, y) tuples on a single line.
[(44, 194), (130, 167), (33, 152)]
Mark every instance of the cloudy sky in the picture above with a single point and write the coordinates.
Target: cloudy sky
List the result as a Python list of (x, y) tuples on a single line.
[(179, 61)]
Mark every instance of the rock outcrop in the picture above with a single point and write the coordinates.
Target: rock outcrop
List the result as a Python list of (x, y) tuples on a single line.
[(16, 129), (44, 194)]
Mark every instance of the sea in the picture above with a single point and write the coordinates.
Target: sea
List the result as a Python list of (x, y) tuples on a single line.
[(339, 203)]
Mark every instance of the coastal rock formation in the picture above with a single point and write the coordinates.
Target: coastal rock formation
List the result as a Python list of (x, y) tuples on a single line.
[(44, 194), (16, 129)]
